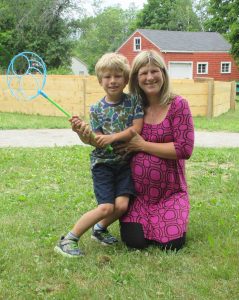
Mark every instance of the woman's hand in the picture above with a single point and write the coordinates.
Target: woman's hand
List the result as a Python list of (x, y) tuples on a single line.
[(135, 144)]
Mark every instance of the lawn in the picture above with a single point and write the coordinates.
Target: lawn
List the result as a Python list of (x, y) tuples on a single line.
[(225, 122), (44, 191)]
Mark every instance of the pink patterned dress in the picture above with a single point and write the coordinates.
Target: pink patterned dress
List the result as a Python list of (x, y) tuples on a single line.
[(162, 203)]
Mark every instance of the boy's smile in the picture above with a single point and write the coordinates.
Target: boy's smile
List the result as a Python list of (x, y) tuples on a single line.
[(113, 83)]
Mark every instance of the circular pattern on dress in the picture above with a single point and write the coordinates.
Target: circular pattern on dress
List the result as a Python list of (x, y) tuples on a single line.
[(162, 204)]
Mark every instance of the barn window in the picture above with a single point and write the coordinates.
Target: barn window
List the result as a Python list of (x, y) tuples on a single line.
[(225, 67), (202, 68), (137, 43)]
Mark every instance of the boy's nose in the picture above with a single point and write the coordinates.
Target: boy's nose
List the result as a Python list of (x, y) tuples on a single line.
[(112, 78)]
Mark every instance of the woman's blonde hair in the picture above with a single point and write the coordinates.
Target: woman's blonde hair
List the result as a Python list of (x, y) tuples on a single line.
[(141, 60), (112, 62)]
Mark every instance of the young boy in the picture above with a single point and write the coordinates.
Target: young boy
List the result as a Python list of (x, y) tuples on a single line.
[(111, 121)]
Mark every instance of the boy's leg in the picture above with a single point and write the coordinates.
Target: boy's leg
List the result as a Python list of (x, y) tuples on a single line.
[(123, 189), (92, 217), (100, 232), (121, 206), (68, 246)]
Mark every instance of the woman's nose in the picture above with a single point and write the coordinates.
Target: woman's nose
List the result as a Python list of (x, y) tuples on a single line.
[(149, 76)]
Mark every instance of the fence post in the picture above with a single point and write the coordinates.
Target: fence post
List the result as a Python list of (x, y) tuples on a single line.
[(233, 96), (84, 95), (210, 102), (210, 94)]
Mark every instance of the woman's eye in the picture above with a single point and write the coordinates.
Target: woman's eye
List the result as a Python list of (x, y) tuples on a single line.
[(142, 74)]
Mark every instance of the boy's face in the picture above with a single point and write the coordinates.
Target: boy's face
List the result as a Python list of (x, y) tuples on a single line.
[(113, 83)]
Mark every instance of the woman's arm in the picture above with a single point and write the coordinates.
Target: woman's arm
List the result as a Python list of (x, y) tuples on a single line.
[(138, 144), (183, 137)]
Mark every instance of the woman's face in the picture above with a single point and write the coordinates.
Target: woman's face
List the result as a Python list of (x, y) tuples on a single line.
[(150, 79)]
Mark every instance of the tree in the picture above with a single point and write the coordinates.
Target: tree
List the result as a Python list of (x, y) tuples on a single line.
[(39, 26), (223, 18), (221, 14), (201, 10), (234, 39), (168, 15), (103, 33)]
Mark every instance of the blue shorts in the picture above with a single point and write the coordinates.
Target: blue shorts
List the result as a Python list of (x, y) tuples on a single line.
[(112, 181)]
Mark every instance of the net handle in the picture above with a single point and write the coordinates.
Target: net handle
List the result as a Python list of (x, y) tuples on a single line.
[(40, 92)]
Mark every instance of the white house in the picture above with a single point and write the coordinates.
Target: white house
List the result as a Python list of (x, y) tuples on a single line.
[(78, 67)]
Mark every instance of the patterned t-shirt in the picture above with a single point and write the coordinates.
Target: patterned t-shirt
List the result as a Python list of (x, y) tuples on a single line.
[(112, 118)]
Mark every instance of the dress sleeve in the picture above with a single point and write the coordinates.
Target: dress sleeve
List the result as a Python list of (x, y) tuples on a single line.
[(183, 129)]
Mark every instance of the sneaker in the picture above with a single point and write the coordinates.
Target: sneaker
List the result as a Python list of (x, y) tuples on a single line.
[(68, 248), (103, 236)]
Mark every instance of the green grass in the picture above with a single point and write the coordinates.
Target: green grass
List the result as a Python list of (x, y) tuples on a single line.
[(225, 122), (24, 121), (44, 191)]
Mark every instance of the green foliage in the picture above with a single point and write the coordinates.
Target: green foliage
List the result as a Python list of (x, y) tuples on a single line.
[(44, 191), (38, 26), (60, 71), (102, 33), (223, 18), (168, 15), (234, 39), (221, 14)]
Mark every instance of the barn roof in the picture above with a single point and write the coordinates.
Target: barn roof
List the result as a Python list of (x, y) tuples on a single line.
[(186, 41)]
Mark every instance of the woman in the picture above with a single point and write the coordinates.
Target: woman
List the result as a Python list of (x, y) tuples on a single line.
[(159, 213)]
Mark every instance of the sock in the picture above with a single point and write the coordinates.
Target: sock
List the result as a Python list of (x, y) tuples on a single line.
[(71, 236), (99, 227)]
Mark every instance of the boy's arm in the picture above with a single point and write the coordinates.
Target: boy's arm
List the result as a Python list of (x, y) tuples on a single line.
[(125, 135)]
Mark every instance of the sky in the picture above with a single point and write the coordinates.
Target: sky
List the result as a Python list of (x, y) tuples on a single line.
[(87, 5), (125, 3)]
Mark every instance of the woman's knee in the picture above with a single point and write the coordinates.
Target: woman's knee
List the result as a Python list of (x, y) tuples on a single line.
[(175, 245), (133, 236)]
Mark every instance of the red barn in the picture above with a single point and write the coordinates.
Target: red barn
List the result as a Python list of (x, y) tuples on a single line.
[(187, 54)]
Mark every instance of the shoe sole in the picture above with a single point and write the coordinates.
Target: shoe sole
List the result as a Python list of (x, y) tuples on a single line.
[(59, 251), (98, 241)]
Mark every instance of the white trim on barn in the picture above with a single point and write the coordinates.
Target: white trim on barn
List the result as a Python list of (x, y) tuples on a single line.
[(226, 67), (78, 67), (137, 44), (180, 69)]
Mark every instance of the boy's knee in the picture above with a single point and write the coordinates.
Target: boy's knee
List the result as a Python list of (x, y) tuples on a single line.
[(121, 207), (106, 209)]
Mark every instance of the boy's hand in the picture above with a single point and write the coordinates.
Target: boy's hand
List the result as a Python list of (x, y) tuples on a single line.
[(76, 123), (81, 128), (103, 140)]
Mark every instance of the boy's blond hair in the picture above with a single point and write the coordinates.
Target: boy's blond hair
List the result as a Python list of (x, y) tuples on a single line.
[(143, 59), (112, 62)]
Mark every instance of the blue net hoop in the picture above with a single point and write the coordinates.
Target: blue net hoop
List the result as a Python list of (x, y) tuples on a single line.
[(25, 66)]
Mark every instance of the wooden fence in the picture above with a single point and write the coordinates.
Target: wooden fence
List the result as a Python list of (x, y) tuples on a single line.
[(75, 94)]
